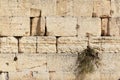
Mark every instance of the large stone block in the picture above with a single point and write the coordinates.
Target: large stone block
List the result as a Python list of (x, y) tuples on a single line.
[(27, 45), (101, 7), (7, 62), (83, 8), (115, 8), (114, 26), (89, 25), (32, 62), (71, 44), (8, 45), (61, 26), (46, 44), (47, 7), (14, 26), (55, 62), (35, 12), (41, 75), (15, 8), (38, 26)]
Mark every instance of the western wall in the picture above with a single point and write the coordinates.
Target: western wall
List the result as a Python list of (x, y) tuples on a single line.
[(42, 39)]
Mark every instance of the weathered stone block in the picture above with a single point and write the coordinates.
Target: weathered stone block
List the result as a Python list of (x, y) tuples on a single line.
[(7, 62), (35, 12), (21, 75), (46, 44), (4, 76), (83, 8), (27, 45), (115, 8), (89, 25), (14, 26), (71, 44), (15, 8), (102, 7), (41, 75), (38, 26), (61, 26), (55, 62), (8, 45), (114, 27), (32, 62)]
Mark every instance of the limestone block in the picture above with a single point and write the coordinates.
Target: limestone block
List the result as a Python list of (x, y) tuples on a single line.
[(38, 26), (47, 7), (89, 25), (35, 12), (4, 76), (61, 26), (32, 62), (56, 75), (14, 26), (46, 44), (27, 44), (115, 8), (21, 75), (7, 62), (115, 27), (55, 62), (41, 75), (102, 7), (71, 44), (64, 7), (15, 8), (8, 45), (83, 8)]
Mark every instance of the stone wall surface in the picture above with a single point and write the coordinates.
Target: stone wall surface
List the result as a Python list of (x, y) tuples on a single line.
[(42, 39)]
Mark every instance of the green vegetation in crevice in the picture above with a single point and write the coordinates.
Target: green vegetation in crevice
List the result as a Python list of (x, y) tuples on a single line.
[(86, 62)]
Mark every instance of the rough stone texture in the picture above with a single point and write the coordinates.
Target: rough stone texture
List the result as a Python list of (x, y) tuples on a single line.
[(83, 8), (46, 44), (14, 26), (71, 44), (8, 45), (28, 45), (115, 26), (35, 62), (115, 8), (61, 26), (7, 62), (4, 76), (41, 75), (15, 8), (35, 12), (89, 25), (101, 7), (38, 26)]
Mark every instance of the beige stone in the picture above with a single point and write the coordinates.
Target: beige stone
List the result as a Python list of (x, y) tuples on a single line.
[(41, 75), (71, 44), (89, 25), (64, 7), (35, 62), (8, 45), (35, 12), (102, 7), (4, 76), (115, 8), (83, 8), (61, 26), (27, 45), (61, 62), (47, 7), (15, 8), (14, 26), (115, 27), (23, 75), (38, 26), (7, 62), (46, 44)]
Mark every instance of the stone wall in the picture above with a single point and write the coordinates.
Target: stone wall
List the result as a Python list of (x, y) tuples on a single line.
[(41, 39)]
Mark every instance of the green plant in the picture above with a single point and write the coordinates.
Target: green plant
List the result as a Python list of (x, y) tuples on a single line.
[(86, 62)]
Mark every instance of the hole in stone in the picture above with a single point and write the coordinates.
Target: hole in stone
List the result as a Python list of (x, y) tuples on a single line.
[(15, 58)]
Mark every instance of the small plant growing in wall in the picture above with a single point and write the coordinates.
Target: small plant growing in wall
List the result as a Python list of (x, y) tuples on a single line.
[(86, 62)]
